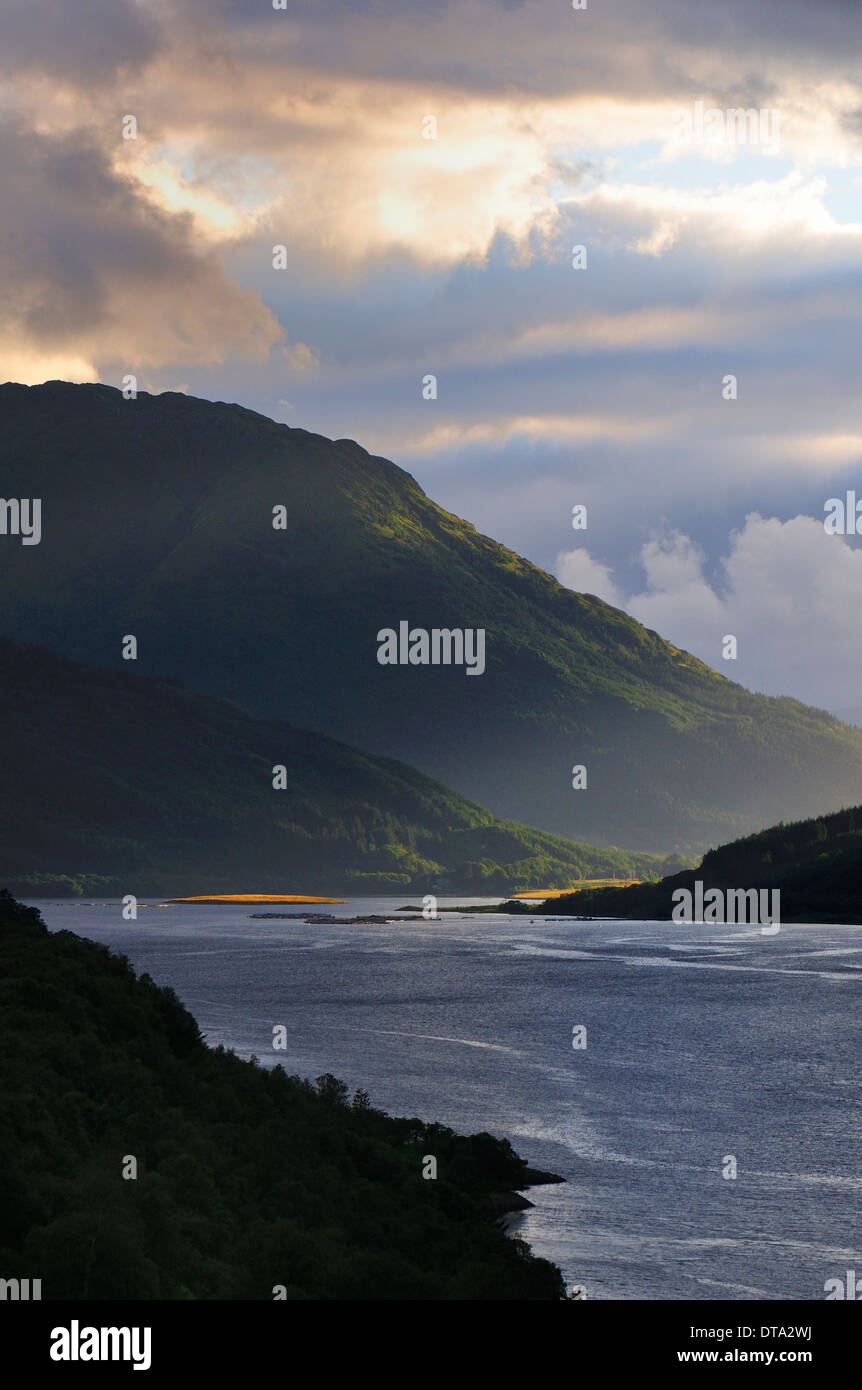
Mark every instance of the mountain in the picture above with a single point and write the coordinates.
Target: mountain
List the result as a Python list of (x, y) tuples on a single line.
[(157, 522), (114, 783), (815, 864), (248, 1183)]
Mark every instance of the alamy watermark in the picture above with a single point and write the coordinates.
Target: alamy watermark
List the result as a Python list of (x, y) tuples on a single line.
[(21, 516), (845, 1287), (77, 1343), (731, 905), (843, 515), (437, 646), (20, 1290), (700, 125)]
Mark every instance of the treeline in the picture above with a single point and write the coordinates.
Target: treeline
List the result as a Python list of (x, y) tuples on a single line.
[(816, 864), (416, 874), (251, 1183), (115, 783)]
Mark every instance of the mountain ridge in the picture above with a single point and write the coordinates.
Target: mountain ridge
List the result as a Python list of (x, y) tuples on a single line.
[(158, 522)]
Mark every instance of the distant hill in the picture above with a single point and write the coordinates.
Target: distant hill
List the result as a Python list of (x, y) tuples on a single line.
[(157, 522), (249, 1183), (816, 864), (113, 783)]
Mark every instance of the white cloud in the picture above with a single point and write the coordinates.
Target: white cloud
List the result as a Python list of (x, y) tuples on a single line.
[(789, 593), (577, 570), (678, 598)]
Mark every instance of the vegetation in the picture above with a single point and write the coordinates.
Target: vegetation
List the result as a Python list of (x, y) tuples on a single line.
[(115, 784), (247, 1179), (158, 522), (816, 864)]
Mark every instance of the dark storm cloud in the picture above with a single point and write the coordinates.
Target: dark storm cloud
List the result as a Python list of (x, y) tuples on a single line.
[(84, 40), (546, 47), (87, 262)]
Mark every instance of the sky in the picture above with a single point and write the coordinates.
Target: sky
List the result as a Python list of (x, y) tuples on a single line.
[(429, 170)]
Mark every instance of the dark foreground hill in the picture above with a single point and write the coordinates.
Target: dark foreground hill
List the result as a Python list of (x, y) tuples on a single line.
[(157, 521), (111, 783), (248, 1180), (816, 865)]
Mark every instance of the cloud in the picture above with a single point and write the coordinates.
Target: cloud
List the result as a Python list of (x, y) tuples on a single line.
[(87, 41), (789, 593), (577, 570), (501, 44), (95, 274)]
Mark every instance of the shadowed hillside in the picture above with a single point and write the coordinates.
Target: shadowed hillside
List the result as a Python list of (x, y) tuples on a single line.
[(816, 865), (247, 1180), (157, 521), (112, 783)]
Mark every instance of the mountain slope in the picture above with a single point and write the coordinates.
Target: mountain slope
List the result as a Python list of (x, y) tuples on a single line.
[(158, 522), (816, 865), (151, 788)]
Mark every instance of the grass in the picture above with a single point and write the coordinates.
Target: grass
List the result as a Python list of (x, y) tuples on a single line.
[(576, 885), (256, 898)]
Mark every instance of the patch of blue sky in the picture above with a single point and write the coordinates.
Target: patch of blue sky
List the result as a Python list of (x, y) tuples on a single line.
[(644, 164), (843, 197)]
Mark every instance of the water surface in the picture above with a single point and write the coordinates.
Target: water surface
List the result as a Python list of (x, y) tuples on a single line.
[(704, 1044)]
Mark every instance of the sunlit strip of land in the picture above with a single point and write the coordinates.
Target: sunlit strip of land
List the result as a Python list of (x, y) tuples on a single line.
[(256, 898), (576, 886)]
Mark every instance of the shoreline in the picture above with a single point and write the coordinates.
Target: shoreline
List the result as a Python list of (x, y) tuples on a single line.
[(515, 1204)]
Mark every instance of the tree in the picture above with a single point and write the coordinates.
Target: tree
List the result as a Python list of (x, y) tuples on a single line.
[(330, 1089)]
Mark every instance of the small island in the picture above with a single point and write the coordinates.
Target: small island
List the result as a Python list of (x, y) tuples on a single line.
[(256, 898)]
